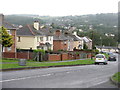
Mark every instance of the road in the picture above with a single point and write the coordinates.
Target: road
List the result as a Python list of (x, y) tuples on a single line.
[(88, 76)]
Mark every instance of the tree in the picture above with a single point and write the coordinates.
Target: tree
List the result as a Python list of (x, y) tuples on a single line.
[(6, 40), (85, 46)]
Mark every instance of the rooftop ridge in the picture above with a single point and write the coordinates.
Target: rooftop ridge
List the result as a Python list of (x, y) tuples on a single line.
[(30, 29)]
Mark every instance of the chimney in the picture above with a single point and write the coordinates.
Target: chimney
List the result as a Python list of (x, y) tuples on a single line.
[(58, 32), (1, 19), (36, 25), (74, 33)]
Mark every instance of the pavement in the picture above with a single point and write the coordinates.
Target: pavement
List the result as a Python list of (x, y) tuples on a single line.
[(88, 76)]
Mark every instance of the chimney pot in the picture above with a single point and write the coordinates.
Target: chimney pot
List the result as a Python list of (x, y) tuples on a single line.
[(36, 25), (58, 32)]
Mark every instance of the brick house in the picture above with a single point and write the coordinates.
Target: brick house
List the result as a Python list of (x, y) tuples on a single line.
[(60, 42), (12, 31)]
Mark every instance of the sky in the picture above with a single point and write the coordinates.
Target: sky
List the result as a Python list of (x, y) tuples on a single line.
[(58, 7)]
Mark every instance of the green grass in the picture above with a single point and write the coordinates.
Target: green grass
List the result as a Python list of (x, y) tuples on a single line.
[(116, 77), (15, 65), (13, 60)]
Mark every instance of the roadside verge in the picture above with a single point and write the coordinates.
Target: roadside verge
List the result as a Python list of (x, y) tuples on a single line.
[(115, 79), (27, 68)]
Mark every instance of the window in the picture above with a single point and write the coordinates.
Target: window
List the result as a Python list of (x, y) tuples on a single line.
[(18, 39), (41, 38), (65, 43), (47, 38), (9, 32), (9, 48), (37, 39)]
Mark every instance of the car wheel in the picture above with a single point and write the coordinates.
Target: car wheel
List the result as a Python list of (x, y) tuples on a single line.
[(96, 63), (105, 63)]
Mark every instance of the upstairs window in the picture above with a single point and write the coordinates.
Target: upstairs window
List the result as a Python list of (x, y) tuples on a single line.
[(37, 39), (41, 38), (47, 38), (19, 39)]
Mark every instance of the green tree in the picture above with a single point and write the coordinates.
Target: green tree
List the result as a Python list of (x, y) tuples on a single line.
[(7, 40), (85, 46)]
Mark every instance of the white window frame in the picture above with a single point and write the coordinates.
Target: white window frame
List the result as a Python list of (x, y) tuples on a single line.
[(9, 32), (9, 48)]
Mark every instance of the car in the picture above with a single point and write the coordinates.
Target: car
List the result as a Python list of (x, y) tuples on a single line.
[(110, 53), (100, 58), (112, 57)]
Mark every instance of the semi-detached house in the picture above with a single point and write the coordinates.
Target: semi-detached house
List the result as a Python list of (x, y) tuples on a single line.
[(33, 37), (12, 31)]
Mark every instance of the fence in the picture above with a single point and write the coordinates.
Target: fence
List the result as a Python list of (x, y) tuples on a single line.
[(47, 57)]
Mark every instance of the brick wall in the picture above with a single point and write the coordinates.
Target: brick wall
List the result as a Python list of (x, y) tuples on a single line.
[(64, 56), (8, 55), (59, 45), (20, 55), (52, 57)]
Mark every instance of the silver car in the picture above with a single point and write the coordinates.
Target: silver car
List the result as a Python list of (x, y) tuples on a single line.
[(100, 58)]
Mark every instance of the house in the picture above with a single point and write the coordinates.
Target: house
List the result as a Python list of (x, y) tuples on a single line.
[(33, 37), (60, 42), (76, 41), (88, 42), (12, 31), (107, 49)]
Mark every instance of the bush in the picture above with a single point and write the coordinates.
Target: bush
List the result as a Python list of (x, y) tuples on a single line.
[(40, 50)]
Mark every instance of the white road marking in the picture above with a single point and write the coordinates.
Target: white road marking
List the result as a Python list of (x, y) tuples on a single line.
[(67, 72), (24, 78), (101, 82), (46, 75)]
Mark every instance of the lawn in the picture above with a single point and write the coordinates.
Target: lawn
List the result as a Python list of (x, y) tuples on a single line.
[(116, 77), (34, 64), (13, 60)]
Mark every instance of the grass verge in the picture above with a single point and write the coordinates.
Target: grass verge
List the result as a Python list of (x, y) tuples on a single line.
[(116, 77), (34, 64)]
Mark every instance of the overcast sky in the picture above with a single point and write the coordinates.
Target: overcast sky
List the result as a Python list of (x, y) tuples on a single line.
[(58, 7)]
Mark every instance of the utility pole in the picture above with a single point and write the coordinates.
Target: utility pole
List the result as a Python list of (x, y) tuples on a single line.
[(92, 41), (101, 43)]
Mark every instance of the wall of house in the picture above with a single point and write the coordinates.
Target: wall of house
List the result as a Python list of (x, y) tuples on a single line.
[(60, 45), (26, 42), (70, 45), (50, 40), (89, 45), (76, 43)]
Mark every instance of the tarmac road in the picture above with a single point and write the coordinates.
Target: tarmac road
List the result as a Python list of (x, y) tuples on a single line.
[(88, 76)]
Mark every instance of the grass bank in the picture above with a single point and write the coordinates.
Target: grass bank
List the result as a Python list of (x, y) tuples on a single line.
[(35, 64), (116, 77)]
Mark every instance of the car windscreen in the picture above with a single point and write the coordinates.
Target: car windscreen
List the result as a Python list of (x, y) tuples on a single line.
[(112, 56), (99, 56)]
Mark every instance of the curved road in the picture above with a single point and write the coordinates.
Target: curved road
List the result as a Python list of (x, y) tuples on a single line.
[(88, 76)]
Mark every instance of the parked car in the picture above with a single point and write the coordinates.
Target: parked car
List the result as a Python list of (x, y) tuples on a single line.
[(110, 53), (112, 57), (100, 58)]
